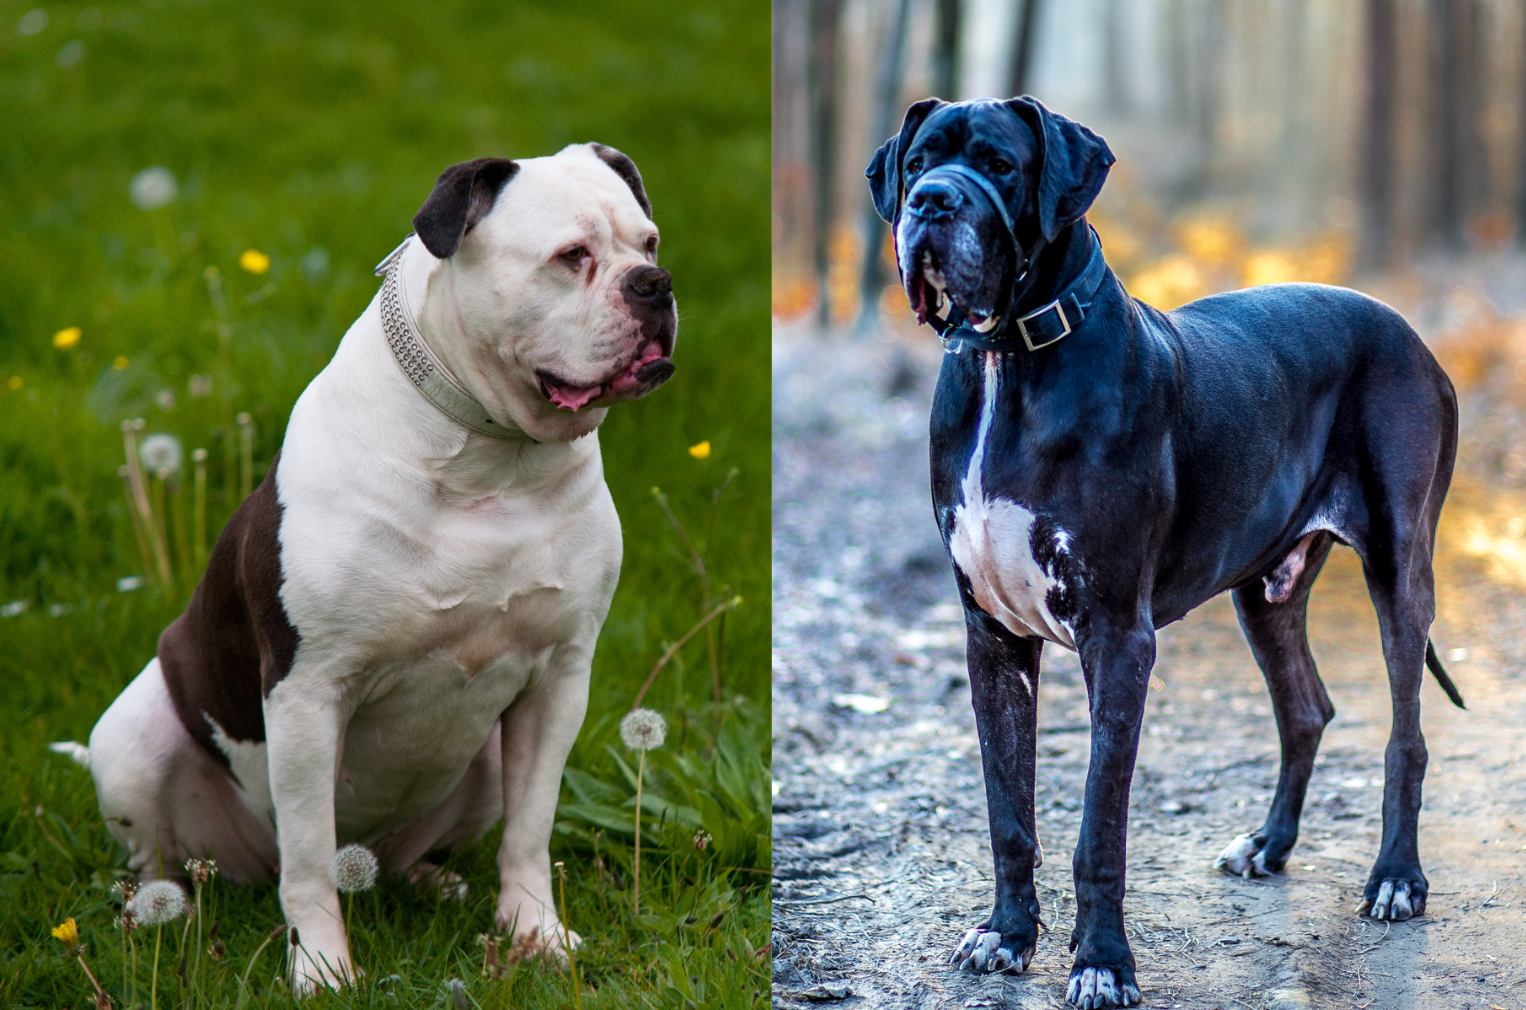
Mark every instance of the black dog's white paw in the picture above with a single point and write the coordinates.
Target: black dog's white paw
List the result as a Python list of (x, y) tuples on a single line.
[(1395, 900), (1097, 988), (1243, 857), (982, 950)]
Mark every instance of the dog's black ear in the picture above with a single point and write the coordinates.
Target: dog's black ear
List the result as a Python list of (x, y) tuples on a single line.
[(1073, 164), (626, 169), (884, 171), (463, 195)]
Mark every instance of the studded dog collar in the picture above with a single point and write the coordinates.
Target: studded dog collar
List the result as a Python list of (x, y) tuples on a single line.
[(423, 369)]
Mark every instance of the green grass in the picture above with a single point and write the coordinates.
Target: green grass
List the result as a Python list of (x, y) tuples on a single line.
[(293, 128)]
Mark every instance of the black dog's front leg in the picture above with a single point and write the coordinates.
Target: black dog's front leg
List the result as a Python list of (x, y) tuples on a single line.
[(1117, 667), (1004, 680)]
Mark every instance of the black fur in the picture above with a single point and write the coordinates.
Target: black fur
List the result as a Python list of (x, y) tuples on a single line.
[(462, 196), (1167, 457), (626, 169)]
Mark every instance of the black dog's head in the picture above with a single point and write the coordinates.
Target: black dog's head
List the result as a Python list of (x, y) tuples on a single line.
[(952, 242)]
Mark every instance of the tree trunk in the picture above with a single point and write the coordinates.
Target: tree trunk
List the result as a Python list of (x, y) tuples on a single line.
[(887, 100), (1456, 107), (1022, 48), (823, 84), (1377, 154), (944, 71)]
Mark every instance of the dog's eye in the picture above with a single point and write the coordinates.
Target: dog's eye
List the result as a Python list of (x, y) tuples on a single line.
[(999, 167), (574, 256), (914, 166), (651, 244)]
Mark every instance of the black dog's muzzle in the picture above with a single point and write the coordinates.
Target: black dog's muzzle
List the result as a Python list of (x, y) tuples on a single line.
[(935, 197)]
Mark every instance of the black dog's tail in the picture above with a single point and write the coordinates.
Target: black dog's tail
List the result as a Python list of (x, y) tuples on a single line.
[(1434, 662)]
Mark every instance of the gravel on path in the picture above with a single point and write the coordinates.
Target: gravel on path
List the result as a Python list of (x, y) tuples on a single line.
[(882, 857)]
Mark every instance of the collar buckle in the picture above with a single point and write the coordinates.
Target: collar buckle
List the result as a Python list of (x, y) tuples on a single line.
[(1065, 327)]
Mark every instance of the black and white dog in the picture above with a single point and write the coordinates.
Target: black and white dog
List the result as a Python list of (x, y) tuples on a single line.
[(392, 641), (1100, 468)]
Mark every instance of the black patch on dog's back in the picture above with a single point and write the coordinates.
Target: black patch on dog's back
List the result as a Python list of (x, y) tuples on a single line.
[(234, 642)]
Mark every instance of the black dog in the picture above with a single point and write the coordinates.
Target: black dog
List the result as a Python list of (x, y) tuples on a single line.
[(1100, 468)]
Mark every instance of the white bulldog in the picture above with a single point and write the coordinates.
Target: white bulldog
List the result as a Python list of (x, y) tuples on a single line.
[(391, 643)]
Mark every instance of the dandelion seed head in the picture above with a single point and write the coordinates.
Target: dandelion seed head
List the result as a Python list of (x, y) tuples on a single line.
[(353, 868), (158, 902), (201, 870), (153, 188), (643, 729), (161, 451)]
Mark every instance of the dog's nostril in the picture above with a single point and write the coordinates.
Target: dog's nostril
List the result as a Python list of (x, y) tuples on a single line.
[(649, 282), (935, 200)]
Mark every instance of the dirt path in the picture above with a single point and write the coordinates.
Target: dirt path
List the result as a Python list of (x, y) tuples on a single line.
[(881, 851)]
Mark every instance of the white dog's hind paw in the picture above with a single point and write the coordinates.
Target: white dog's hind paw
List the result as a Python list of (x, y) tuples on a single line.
[(449, 882), (1243, 857), (981, 950), (1098, 989)]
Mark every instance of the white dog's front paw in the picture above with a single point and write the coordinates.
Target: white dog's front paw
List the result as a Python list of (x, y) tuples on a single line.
[(318, 957)]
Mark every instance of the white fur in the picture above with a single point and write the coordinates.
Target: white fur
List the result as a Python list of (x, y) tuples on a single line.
[(447, 587), (990, 544), (1098, 987), (1243, 857)]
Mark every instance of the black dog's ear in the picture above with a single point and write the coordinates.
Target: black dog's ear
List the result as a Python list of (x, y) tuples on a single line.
[(1073, 164), (625, 169), (884, 171), (463, 195)]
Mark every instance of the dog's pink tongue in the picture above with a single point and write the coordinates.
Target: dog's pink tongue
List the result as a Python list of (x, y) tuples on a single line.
[(573, 397)]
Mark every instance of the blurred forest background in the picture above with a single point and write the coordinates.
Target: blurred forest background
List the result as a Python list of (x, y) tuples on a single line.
[(1379, 144), (1257, 141)]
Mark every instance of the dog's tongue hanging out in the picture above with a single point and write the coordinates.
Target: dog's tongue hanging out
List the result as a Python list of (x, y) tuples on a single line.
[(573, 397)]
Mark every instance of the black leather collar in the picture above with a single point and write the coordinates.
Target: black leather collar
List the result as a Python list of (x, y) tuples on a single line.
[(1045, 325)]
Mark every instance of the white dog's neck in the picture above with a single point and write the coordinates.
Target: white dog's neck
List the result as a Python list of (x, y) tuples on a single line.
[(461, 464)]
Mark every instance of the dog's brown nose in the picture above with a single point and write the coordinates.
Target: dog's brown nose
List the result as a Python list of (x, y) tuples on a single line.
[(649, 284), (934, 199)]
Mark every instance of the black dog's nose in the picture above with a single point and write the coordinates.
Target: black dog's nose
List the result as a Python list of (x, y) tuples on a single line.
[(934, 199), (649, 284)]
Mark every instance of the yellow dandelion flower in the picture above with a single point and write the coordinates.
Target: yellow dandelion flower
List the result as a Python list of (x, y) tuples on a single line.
[(67, 933), (254, 261), (14, 382), (701, 451), (119, 363), (67, 338)]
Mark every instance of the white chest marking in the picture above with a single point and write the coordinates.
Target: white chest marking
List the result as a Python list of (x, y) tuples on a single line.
[(991, 544)]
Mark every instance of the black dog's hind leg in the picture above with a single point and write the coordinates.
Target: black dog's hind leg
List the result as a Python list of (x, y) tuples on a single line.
[(1278, 637), (1004, 680), (1117, 665), (1405, 600)]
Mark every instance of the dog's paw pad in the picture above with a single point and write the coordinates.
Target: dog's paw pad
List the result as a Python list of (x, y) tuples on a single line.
[(982, 950), (1098, 988), (1395, 901), (1243, 857)]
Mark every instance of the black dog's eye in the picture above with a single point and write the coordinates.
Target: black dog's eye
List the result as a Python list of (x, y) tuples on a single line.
[(999, 167), (914, 166)]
